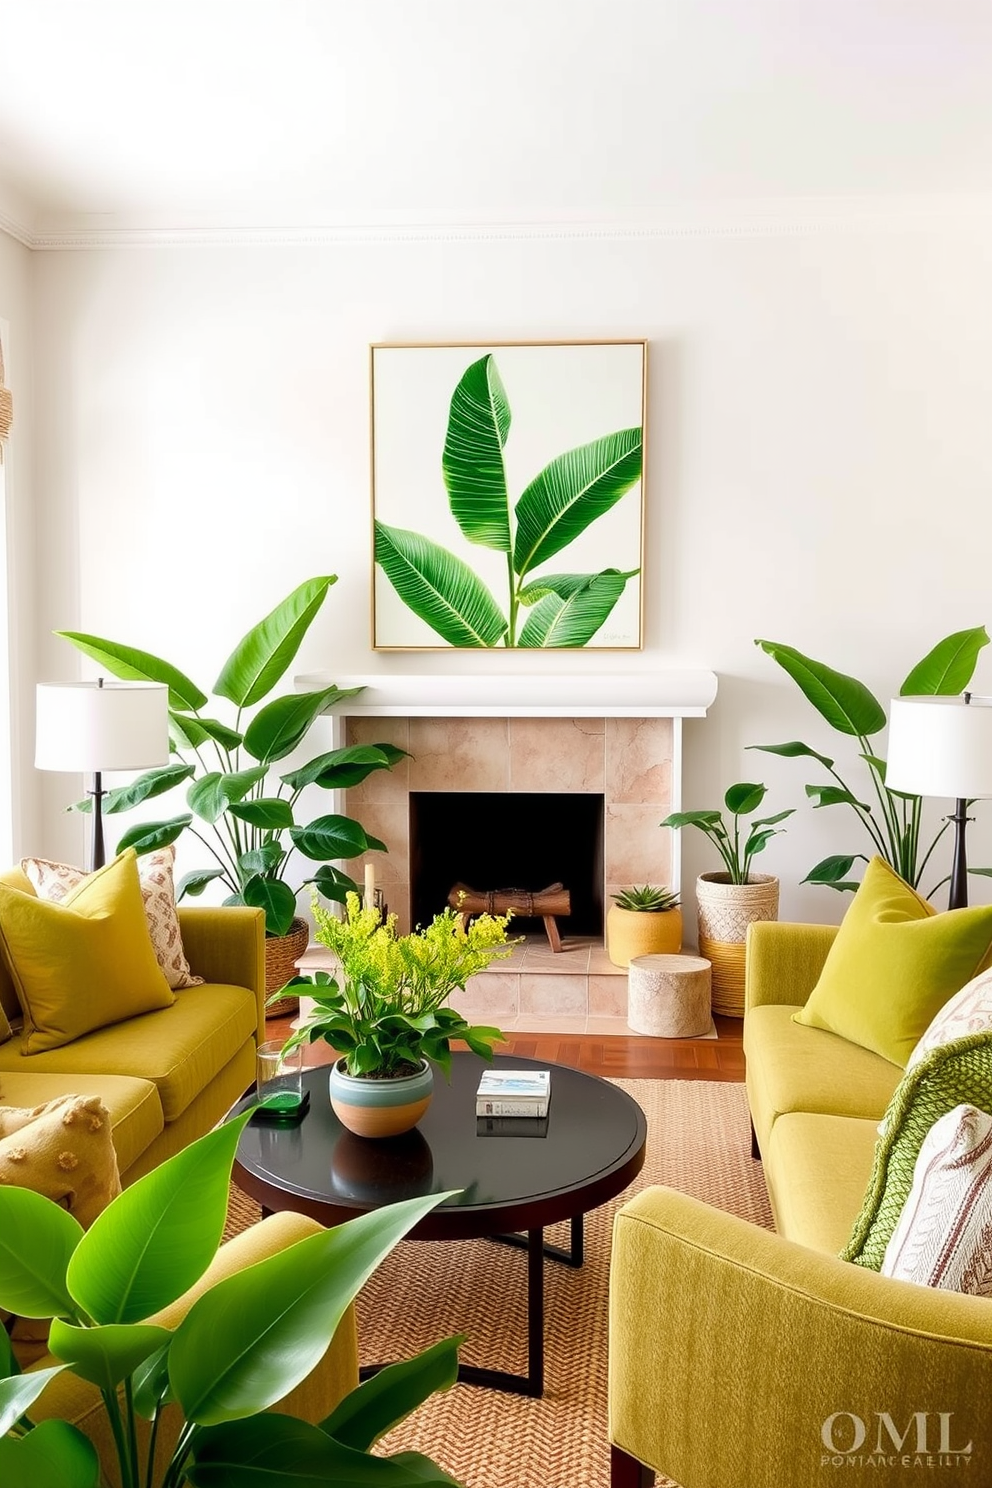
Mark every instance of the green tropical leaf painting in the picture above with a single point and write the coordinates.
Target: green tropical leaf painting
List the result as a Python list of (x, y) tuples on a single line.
[(505, 484)]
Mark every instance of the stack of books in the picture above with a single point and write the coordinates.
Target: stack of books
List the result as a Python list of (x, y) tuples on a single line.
[(513, 1092)]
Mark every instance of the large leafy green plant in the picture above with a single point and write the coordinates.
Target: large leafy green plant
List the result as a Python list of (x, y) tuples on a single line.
[(566, 609), (243, 1345), (737, 852), (387, 1008), (892, 820), (243, 816)]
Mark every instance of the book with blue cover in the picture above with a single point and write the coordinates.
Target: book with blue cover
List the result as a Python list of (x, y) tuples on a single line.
[(513, 1092)]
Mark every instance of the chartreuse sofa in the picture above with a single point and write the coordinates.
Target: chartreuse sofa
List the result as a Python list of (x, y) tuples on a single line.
[(746, 1358), (88, 1011)]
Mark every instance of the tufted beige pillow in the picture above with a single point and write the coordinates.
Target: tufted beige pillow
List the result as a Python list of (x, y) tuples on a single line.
[(52, 881), (64, 1150)]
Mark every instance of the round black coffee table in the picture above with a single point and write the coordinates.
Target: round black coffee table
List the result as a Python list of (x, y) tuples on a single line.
[(513, 1173)]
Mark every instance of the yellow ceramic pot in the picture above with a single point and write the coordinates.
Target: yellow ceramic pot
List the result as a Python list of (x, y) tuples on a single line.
[(642, 932)]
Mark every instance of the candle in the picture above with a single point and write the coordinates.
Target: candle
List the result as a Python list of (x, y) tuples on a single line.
[(369, 885)]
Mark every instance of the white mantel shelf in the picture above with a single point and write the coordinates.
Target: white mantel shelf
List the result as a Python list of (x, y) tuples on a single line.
[(673, 694)]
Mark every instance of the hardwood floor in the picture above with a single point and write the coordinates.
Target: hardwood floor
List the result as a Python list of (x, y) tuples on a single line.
[(616, 1056)]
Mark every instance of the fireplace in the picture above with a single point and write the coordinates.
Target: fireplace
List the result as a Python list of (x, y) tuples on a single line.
[(518, 839), (611, 745)]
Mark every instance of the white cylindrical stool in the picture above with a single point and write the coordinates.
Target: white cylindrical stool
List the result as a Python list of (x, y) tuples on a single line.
[(669, 996)]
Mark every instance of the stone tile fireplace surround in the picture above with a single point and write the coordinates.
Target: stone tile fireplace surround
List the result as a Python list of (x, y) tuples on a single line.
[(619, 736)]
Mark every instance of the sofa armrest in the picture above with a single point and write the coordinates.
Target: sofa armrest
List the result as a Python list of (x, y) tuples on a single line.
[(737, 1356), (226, 943), (784, 961)]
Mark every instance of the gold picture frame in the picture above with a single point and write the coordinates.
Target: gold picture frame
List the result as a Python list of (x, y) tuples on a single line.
[(508, 494)]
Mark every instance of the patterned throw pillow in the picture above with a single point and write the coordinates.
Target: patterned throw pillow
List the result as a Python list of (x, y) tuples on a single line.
[(950, 1075), (944, 1235), (969, 1011), (52, 881)]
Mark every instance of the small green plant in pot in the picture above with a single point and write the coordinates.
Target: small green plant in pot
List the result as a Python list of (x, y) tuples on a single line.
[(190, 1404), (728, 901), (386, 1010), (240, 810), (643, 920)]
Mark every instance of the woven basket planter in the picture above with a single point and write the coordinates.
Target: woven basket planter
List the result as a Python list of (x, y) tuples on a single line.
[(281, 955), (724, 910)]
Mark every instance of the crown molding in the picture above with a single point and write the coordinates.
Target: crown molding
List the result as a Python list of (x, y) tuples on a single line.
[(780, 217), (16, 217)]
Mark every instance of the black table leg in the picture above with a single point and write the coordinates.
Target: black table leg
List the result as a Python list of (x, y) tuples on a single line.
[(531, 1383)]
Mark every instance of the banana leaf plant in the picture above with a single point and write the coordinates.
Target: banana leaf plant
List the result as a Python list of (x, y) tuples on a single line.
[(243, 816), (556, 507), (244, 1344), (740, 800), (891, 819)]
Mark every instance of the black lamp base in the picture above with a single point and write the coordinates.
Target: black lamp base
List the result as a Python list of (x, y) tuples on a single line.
[(957, 897)]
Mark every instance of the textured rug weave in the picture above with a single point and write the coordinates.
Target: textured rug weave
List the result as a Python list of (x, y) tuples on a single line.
[(698, 1142)]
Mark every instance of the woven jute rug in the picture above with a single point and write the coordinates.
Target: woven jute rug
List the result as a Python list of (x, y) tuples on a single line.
[(698, 1142)]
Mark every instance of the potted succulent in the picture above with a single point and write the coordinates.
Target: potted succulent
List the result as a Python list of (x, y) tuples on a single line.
[(643, 920), (729, 900), (242, 812), (385, 1010), (204, 1389)]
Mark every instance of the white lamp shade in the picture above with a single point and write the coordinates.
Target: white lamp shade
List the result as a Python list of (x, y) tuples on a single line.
[(86, 727), (940, 746)]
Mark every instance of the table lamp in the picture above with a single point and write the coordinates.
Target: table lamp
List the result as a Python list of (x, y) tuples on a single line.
[(942, 746), (96, 726)]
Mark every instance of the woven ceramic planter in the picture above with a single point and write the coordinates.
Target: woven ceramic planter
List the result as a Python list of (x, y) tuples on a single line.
[(281, 955), (724, 910), (640, 932), (380, 1108)]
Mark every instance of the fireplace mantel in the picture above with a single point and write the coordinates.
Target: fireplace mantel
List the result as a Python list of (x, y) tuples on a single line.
[(669, 694)]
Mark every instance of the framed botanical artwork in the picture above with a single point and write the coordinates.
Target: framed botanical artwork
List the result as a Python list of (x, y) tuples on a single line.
[(507, 495)]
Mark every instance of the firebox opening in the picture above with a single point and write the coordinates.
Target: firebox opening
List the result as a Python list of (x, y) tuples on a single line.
[(505, 840)]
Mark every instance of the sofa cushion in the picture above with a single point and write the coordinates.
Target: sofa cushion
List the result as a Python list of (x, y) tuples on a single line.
[(82, 964), (969, 1011), (179, 1048), (944, 1234), (790, 1068), (955, 1073), (893, 965), (54, 881), (816, 1169), (135, 1110)]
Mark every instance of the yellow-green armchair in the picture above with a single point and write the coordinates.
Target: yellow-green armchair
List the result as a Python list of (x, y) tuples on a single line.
[(743, 1358)]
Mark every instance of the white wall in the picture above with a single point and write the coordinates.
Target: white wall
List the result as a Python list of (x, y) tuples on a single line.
[(18, 780), (819, 467)]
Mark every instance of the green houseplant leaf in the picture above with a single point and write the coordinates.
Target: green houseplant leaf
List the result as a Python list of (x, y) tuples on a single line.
[(339, 769), (571, 492), (132, 665), (105, 1356), (157, 1237), (845, 703), (334, 837), (53, 1453), (949, 667), (387, 1398), (277, 728), (282, 1452), (18, 1392), (275, 897), (258, 1333), (145, 788), (271, 813), (211, 795), (439, 588), (472, 461), (262, 656), (37, 1241), (149, 836)]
